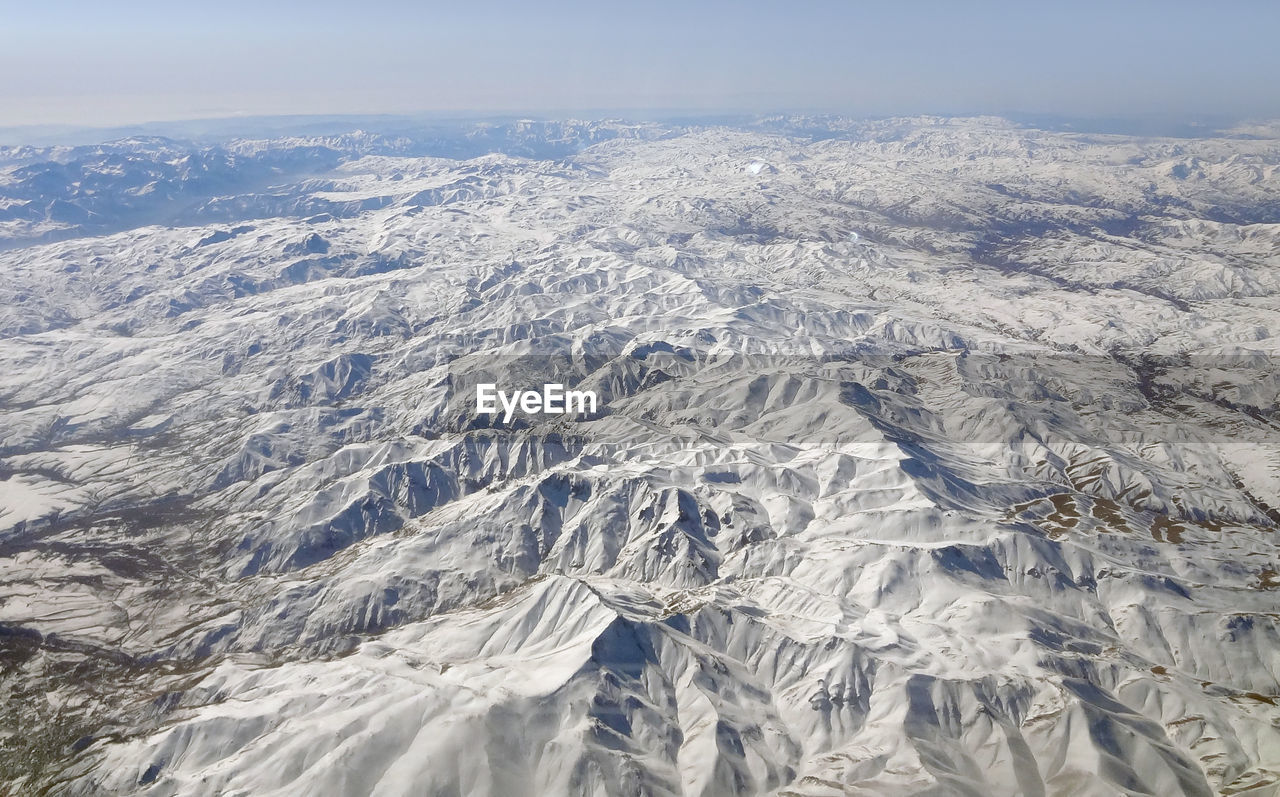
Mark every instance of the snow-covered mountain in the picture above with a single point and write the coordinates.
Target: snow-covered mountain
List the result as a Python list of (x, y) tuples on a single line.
[(935, 456)]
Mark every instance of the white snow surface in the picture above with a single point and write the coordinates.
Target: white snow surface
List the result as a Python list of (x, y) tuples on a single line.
[(889, 495)]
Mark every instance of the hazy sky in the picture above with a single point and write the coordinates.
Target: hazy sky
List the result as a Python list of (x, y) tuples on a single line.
[(95, 62)]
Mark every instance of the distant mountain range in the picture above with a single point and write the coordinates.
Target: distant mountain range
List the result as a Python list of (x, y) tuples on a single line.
[(935, 456)]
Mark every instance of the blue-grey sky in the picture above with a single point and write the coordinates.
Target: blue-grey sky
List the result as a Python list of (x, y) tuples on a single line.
[(98, 63)]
